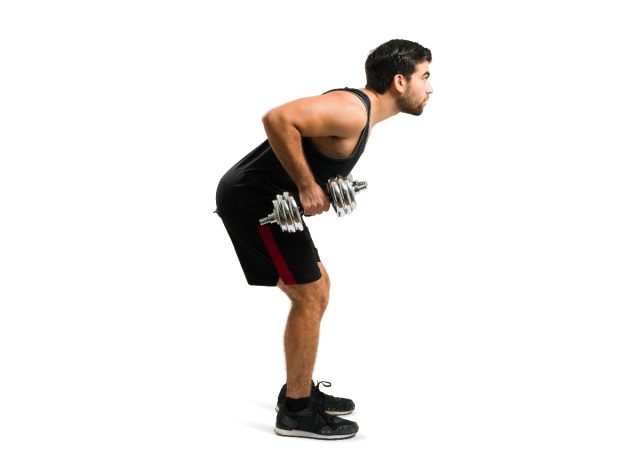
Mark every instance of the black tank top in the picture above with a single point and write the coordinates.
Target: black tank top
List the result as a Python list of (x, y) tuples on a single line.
[(247, 189)]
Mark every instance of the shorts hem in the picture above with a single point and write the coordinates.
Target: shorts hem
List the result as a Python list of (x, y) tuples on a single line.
[(272, 284)]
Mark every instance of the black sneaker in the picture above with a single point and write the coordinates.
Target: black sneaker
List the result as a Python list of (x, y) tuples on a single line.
[(313, 421), (335, 406)]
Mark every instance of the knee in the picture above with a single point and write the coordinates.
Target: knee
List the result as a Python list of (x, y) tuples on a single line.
[(323, 292), (314, 300), (322, 298), (325, 275), (319, 299), (327, 281)]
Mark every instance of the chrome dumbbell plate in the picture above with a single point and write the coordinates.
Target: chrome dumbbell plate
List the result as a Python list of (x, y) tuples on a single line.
[(285, 213), (343, 194)]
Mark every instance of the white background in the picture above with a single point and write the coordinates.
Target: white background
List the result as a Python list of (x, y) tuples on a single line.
[(485, 295)]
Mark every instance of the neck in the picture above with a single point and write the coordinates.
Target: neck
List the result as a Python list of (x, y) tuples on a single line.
[(383, 106)]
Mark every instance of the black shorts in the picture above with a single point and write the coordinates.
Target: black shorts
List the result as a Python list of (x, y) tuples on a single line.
[(267, 254)]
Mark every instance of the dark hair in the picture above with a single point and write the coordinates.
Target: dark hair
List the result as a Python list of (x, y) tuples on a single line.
[(394, 57)]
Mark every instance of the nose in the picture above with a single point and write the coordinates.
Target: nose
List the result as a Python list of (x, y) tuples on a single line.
[(429, 88)]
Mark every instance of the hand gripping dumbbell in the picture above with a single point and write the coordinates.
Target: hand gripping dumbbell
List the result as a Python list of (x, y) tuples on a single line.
[(342, 192)]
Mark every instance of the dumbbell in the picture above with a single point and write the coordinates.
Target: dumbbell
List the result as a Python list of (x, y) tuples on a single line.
[(342, 192)]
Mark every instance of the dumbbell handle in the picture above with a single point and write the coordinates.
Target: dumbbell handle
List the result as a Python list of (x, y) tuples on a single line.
[(357, 185), (288, 214)]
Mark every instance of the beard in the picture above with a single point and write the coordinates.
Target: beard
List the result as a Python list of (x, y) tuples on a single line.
[(411, 105)]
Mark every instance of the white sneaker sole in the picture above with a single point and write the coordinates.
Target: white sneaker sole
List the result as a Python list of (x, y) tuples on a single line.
[(332, 413), (311, 435)]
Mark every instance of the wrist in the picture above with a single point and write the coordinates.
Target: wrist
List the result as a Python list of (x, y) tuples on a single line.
[(306, 185)]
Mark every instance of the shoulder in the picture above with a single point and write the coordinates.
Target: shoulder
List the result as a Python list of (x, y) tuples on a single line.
[(348, 107), (351, 98), (337, 113)]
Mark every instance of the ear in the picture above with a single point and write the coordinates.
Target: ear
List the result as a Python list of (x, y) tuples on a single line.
[(399, 83)]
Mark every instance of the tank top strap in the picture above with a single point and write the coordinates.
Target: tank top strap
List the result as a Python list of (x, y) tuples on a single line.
[(363, 97)]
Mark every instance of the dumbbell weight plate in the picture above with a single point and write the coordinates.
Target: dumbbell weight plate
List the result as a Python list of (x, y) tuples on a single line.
[(343, 195), (287, 213)]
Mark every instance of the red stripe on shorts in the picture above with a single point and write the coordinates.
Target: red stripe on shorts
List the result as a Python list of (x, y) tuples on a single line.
[(276, 255)]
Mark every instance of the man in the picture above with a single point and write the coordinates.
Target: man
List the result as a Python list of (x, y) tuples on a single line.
[(310, 140)]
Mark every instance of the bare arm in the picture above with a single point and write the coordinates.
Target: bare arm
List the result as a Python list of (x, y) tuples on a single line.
[(332, 114)]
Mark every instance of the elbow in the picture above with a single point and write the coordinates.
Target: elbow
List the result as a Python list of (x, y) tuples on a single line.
[(274, 119), (270, 117), (266, 118)]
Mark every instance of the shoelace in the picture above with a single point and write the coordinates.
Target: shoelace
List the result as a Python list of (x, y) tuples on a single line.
[(316, 389), (324, 384), (318, 398)]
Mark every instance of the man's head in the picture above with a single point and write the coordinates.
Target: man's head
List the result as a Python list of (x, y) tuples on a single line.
[(402, 66)]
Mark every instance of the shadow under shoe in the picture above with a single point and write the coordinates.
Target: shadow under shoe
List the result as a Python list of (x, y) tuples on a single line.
[(334, 406), (313, 422)]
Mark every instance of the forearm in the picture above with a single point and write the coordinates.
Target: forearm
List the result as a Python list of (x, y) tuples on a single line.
[(286, 142)]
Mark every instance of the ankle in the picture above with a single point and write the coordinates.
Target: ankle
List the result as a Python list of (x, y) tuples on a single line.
[(297, 404), (298, 389)]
